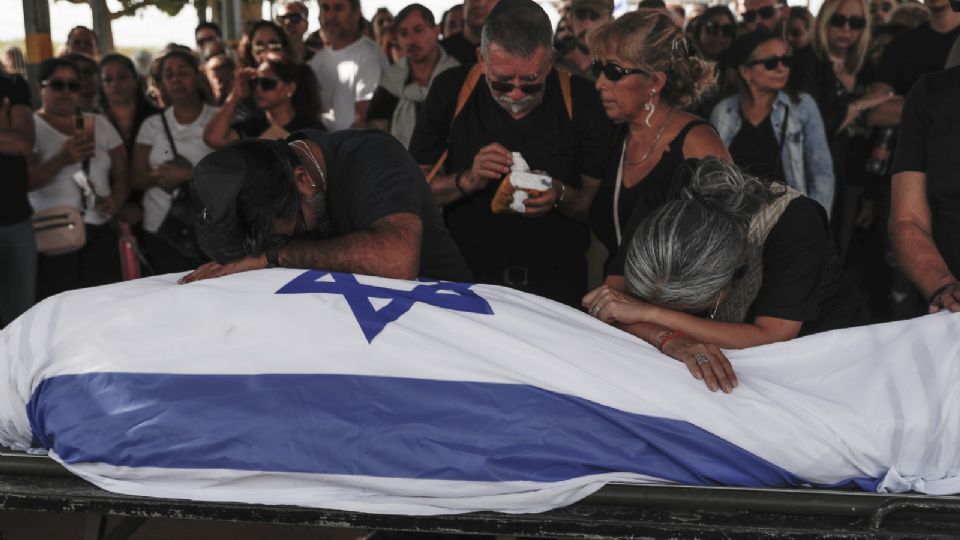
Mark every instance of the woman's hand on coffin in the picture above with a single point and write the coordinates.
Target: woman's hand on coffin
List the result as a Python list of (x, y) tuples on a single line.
[(214, 270), (492, 162), (613, 306), (169, 175), (705, 361)]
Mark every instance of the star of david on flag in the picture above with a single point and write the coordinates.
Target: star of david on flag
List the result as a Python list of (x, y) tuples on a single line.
[(372, 321)]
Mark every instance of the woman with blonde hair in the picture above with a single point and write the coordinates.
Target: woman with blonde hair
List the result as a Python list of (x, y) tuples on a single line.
[(835, 74), (646, 76)]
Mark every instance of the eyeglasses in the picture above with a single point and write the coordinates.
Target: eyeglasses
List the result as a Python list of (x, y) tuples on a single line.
[(771, 63), (506, 88), (765, 13), (290, 18), (265, 83), (583, 14), (856, 23), (613, 72), (714, 28), (60, 85), (269, 46)]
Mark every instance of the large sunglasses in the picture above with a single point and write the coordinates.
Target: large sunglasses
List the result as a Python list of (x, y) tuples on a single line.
[(765, 13), (291, 18), (506, 88), (265, 83), (269, 46), (60, 85), (856, 23), (612, 71), (713, 28), (771, 63)]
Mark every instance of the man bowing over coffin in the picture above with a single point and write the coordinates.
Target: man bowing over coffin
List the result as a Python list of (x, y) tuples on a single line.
[(348, 201)]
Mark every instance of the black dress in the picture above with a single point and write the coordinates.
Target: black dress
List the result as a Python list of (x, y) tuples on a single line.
[(644, 197)]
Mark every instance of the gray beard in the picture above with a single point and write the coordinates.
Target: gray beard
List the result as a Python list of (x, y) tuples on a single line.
[(524, 105)]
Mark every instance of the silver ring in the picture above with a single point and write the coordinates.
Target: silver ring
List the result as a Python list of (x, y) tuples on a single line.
[(594, 309), (701, 359)]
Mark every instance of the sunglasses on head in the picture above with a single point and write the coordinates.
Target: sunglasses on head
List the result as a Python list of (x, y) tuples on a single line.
[(771, 63), (269, 46), (290, 18), (506, 88), (856, 23), (583, 14), (612, 71), (765, 13), (60, 85), (714, 28), (265, 83)]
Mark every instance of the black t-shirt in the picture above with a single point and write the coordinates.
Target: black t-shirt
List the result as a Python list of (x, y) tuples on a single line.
[(14, 206), (927, 143), (816, 77), (371, 176), (755, 150), (914, 53), (803, 279), (383, 104), (547, 139), (460, 48), (254, 125)]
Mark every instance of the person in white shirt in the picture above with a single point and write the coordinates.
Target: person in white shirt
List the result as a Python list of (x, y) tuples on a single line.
[(72, 168), (349, 68), (156, 168)]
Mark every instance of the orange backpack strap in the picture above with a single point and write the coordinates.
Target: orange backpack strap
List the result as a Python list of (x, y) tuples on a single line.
[(468, 85)]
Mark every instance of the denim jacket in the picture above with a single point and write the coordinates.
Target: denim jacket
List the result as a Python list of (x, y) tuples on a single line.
[(807, 164)]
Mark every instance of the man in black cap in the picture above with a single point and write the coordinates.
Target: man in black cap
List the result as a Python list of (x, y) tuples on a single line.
[(348, 201), (516, 103)]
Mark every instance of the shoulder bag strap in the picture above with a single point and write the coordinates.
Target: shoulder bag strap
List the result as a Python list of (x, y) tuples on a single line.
[(166, 129), (468, 85)]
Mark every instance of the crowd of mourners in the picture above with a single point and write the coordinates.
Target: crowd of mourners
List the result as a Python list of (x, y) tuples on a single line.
[(715, 179)]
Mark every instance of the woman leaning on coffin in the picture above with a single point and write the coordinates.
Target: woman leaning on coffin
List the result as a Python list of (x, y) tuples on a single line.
[(731, 261)]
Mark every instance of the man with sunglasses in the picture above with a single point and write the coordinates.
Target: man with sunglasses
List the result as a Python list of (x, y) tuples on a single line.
[(516, 105), (348, 68), (207, 34), (293, 15), (584, 15), (769, 14)]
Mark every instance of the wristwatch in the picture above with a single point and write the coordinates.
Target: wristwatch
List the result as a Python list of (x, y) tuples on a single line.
[(273, 255)]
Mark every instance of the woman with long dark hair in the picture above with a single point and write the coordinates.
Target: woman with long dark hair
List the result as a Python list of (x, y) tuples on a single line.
[(287, 100)]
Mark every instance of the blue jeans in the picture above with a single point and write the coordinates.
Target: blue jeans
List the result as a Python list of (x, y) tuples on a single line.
[(18, 270)]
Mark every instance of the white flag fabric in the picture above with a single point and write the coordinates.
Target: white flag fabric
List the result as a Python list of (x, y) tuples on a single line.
[(367, 394)]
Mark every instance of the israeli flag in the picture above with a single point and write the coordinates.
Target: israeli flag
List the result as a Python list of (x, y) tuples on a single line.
[(366, 394)]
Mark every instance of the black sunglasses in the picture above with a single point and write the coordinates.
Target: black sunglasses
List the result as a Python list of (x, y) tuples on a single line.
[(613, 72), (506, 88), (583, 14), (265, 83), (767, 12), (856, 23), (292, 18), (714, 28), (60, 85), (771, 63)]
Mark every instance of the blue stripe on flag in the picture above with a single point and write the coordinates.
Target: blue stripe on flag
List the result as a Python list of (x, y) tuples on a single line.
[(374, 426)]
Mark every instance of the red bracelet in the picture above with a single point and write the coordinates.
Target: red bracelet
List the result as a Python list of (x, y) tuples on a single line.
[(667, 337)]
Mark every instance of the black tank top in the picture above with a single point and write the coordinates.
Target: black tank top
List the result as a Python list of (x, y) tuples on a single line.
[(644, 197)]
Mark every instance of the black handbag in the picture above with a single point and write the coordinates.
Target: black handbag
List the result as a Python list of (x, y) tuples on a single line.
[(178, 228)]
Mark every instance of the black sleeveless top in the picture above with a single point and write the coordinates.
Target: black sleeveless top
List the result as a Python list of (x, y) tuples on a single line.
[(645, 197)]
